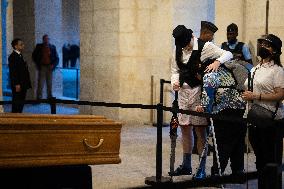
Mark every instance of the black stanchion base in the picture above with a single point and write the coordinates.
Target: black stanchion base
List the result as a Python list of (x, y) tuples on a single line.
[(164, 124), (158, 183)]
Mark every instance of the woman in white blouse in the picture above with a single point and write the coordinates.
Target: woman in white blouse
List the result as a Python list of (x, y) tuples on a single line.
[(268, 91)]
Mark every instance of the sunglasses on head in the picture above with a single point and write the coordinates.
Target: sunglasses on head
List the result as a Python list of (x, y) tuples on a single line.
[(265, 44)]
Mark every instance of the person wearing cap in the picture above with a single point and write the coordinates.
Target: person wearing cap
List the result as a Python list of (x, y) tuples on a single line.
[(268, 92), (239, 49), (230, 136), (207, 31), (192, 58)]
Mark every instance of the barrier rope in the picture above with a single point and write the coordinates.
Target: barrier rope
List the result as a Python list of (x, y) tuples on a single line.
[(90, 103), (125, 105)]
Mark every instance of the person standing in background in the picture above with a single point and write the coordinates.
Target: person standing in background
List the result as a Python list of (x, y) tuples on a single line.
[(46, 58), (239, 49), (19, 76)]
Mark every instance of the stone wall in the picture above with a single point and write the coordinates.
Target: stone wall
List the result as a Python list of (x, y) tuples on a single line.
[(228, 12), (1, 107), (7, 28), (70, 22), (145, 49), (249, 15), (23, 27), (126, 42), (99, 48), (192, 13), (255, 21), (48, 20)]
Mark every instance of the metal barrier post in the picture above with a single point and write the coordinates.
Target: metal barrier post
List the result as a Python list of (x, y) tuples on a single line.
[(162, 81), (158, 179), (159, 158), (52, 102)]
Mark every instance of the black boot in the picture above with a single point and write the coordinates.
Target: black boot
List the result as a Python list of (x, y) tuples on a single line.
[(201, 173), (181, 170), (185, 168)]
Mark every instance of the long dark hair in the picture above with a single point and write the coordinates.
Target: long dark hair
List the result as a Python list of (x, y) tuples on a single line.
[(178, 55), (276, 58)]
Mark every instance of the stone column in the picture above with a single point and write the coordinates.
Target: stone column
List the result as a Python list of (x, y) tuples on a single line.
[(145, 51), (255, 21), (6, 39), (123, 44), (99, 48), (70, 22), (24, 28), (191, 14), (1, 55), (236, 9)]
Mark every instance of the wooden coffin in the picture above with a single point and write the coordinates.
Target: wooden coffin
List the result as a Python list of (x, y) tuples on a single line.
[(49, 140)]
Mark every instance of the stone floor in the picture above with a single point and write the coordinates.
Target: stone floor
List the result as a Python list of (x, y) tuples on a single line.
[(138, 144)]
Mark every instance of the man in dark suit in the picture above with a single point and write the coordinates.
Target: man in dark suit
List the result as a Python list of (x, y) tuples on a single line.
[(19, 76), (46, 58)]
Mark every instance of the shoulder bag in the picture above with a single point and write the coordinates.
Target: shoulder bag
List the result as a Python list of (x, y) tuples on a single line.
[(258, 115)]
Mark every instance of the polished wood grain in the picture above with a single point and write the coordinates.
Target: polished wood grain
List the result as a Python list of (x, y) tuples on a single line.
[(48, 140)]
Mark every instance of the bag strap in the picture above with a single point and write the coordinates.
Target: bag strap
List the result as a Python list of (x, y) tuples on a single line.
[(250, 80), (250, 87)]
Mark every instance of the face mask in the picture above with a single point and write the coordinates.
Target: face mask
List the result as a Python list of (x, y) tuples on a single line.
[(264, 52)]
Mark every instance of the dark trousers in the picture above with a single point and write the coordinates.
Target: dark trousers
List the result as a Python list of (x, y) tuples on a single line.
[(65, 62), (73, 62), (44, 75), (267, 145), (17, 101), (230, 139)]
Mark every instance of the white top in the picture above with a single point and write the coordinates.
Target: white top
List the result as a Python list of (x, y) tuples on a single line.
[(267, 77), (18, 52), (209, 51)]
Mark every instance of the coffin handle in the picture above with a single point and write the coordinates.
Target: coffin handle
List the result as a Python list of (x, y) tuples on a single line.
[(85, 141)]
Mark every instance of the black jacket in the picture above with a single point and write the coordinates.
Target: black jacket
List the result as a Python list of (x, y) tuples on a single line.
[(19, 72), (37, 55)]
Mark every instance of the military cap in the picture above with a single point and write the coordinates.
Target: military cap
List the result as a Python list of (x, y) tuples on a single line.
[(182, 35), (232, 28), (208, 25)]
